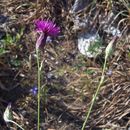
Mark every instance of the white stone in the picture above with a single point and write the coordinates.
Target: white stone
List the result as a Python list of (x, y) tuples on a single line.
[(87, 41)]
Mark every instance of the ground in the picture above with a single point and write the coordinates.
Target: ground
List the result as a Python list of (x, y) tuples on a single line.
[(69, 78)]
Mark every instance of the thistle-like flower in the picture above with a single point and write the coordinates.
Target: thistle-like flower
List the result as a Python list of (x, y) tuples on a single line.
[(45, 29)]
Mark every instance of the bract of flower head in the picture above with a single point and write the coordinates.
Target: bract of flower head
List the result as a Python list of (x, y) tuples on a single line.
[(45, 28)]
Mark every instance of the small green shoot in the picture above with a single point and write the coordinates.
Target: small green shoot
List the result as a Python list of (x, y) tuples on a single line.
[(10, 40)]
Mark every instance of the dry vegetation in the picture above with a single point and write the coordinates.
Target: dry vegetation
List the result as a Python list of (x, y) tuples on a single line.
[(69, 77)]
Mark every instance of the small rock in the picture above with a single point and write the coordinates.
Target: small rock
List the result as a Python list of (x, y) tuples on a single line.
[(80, 5), (89, 44)]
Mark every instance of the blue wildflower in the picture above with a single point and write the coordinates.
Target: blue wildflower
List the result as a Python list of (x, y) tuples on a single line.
[(34, 90)]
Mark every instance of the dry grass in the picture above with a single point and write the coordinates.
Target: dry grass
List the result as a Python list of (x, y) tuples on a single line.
[(73, 77)]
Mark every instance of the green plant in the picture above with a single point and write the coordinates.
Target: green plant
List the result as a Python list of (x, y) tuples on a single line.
[(94, 48), (45, 28), (108, 52), (10, 40)]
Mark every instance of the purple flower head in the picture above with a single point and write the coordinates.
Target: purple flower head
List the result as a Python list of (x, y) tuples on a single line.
[(45, 28), (34, 90)]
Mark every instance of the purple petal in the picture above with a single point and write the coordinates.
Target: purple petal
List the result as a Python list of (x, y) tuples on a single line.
[(47, 27)]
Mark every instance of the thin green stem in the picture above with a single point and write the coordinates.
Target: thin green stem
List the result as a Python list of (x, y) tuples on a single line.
[(39, 88), (44, 87), (96, 93)]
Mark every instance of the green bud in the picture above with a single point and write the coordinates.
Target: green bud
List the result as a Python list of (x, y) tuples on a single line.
[(109, 48), (8, 116)]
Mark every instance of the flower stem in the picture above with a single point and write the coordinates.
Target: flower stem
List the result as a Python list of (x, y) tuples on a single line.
[(39, 88), (96, 93)]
